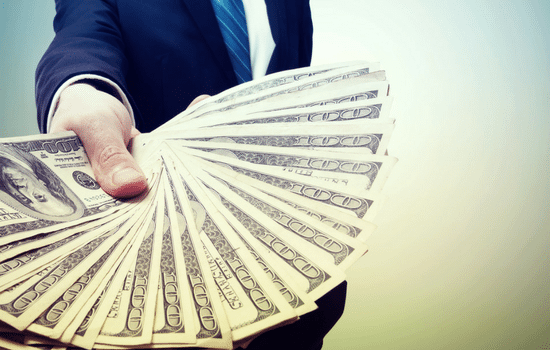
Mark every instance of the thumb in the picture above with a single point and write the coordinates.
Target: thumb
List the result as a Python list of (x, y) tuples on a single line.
[(114, 168), (117, 172), (198, 99)]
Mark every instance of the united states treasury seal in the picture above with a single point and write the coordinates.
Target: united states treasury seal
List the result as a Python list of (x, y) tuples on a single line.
[(85, 180)]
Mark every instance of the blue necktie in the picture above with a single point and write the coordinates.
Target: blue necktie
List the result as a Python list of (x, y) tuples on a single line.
[(232, 21)]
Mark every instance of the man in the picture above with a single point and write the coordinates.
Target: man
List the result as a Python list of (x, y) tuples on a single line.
[(154, 58), (116, 66)]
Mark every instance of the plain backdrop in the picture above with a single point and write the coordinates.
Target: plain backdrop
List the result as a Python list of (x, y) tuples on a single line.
[(460, 259)]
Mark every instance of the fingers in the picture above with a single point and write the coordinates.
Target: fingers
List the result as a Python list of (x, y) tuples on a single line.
[(198, 99), (104, 127), (134, 132)]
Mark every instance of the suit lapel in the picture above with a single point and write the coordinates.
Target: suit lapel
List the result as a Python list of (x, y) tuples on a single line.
[(205, 19)]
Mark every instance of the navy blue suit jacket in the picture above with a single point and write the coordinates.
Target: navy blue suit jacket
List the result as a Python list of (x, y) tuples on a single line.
[(161, 53)]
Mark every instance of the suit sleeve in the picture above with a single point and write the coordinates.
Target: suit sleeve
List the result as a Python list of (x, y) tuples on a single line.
[(87, 41), (306, 36)]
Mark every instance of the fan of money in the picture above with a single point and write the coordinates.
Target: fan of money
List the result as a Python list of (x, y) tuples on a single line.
[(259, 199)]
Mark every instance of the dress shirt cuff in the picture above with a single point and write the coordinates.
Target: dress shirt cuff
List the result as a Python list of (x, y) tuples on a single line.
[(100, 83)]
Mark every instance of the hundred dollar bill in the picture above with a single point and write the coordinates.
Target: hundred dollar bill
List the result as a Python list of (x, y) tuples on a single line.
[(26, 264), (342, 97), (249, 310), (355, 138), (301, 303), (56, 318), (19, 259), (293, 205), (79, 325), (287, 77), (316, 278), (15, 248), (20, 267), (361, 203), (271, 87), (349, 225), (343, 109), (322, 241), (252, 303), (46, 184), (252, 87), (29, 302), (313, 93), (302, 100), (130, 321), (9, 294), (10, 250), (174, 322), (289, 289), (343, 221), (17, 267), (212, 327), (338, 136), (85, 327), (345, 169), (265, 83)]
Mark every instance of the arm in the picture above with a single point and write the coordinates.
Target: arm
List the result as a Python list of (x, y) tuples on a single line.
[(306, 35), (88, 41)]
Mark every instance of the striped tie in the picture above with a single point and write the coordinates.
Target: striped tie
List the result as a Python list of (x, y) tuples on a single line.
[(232, 21)]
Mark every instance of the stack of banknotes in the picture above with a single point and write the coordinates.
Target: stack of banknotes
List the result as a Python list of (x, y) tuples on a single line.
[(259, 199)]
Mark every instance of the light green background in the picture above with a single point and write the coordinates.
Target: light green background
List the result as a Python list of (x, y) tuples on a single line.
[(26, 30), (460, 259)]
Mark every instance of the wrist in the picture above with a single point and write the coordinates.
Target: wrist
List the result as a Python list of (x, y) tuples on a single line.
[(101, 84), (81, 104)]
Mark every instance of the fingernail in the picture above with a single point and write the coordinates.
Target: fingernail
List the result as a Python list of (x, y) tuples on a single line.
[(126, 176)]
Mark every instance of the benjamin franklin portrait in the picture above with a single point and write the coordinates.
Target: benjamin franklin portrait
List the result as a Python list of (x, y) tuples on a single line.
[(29, 186)]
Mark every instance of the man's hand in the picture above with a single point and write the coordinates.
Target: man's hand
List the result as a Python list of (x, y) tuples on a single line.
[(105, 128), (103, 125)]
